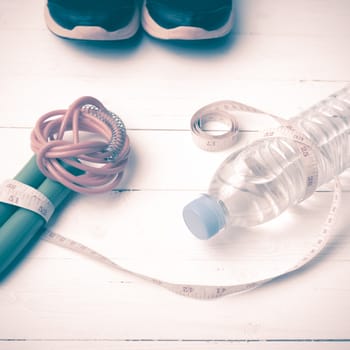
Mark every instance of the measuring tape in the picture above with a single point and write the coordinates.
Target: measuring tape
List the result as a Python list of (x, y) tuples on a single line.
[(21, 195), (220, 112), (306, 151), (16, 193), (190, 290)]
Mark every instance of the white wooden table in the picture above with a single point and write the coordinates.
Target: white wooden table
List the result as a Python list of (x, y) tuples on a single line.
[(282, 57)]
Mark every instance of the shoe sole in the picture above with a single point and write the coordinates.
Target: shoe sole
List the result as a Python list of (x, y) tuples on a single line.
[(182, 32), (93, 32)]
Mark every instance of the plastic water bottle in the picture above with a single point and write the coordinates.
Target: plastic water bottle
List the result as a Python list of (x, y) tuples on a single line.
[(267, 177)]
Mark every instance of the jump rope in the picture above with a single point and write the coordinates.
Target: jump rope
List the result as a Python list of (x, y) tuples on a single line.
[(93, 159)]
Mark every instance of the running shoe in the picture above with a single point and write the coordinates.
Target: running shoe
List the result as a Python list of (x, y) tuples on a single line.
[(93, 20), (187, 19)]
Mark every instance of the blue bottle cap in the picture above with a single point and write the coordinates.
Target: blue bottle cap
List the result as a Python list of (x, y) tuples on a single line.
[(204, 217)]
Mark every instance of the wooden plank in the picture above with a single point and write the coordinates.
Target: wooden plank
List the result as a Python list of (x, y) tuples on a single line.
[(166, 160), (156, 106), (51, 285), (253, 17), (176, 344), (78, 299), (311, 18)]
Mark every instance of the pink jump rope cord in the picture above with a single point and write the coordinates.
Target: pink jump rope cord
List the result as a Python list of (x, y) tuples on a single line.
[(101, 159)]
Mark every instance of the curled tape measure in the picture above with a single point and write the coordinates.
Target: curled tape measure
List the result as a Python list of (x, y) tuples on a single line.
[(219, 112), (24, 196)]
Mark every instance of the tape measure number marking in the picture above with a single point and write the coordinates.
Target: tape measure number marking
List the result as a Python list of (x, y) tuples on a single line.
[(21, 195)]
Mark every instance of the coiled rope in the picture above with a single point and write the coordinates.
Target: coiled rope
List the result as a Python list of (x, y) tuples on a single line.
[(84, 147)]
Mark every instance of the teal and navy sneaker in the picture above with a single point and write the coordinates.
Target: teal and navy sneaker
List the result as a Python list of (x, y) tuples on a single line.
[(93, 20), (187, 19)]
